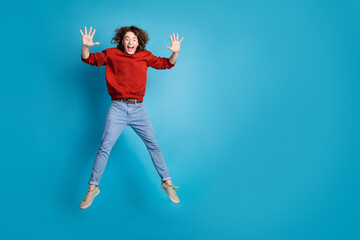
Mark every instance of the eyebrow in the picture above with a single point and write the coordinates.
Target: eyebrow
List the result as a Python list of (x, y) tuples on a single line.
[(129, 37)]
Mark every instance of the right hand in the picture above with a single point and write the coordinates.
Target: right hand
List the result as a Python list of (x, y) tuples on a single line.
[(87, 38)]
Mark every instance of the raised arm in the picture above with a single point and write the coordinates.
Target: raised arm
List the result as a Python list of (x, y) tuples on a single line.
[(175, 48), (87, 42), (98, 59)]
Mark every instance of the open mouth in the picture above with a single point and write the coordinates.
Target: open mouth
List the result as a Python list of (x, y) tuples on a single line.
[(130, 49)]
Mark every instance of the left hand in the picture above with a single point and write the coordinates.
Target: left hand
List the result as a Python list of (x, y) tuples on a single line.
[(175, 43)]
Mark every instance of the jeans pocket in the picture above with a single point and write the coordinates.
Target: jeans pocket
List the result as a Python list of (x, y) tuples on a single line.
[(115, 102)]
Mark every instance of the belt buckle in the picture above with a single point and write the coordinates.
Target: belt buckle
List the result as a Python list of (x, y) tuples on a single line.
[(130, 100)]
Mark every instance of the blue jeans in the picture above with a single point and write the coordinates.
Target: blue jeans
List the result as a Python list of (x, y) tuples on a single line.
[(119, 116)]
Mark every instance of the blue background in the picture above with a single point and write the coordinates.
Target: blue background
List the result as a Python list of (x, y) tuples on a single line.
[(258, 121)]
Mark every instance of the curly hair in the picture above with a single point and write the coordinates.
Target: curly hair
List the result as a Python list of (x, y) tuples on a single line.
[(142, 36)]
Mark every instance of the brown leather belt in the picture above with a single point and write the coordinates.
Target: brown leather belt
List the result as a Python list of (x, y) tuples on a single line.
[(128, 100)]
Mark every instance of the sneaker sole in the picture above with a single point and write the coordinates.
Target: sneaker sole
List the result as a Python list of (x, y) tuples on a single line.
[(173, 200), (86, 206)]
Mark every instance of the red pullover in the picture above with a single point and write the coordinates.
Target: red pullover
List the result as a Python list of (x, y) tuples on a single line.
[(126, 73)]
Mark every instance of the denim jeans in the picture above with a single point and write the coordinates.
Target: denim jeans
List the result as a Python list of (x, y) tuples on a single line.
[(119, 116)]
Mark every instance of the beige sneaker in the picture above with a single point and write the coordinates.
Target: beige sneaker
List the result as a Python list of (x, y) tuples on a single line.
[(89, 197), (169, 189)]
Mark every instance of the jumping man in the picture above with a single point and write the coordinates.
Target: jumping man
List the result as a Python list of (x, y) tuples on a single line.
[(126, 68)]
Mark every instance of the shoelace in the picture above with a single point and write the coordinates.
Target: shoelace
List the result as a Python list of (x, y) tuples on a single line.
[(173, 187), (86, 196)]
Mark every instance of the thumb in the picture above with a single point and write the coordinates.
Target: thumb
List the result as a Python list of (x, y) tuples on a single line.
[(168, 47), (96, 43)]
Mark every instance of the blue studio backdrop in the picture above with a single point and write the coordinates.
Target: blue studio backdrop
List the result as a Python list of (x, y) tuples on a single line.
[(258, 121)]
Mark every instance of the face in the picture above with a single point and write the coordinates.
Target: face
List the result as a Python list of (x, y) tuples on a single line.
[(130, 43)]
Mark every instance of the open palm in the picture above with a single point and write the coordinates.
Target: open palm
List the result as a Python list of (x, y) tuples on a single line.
[(175, 43), (88, 39)]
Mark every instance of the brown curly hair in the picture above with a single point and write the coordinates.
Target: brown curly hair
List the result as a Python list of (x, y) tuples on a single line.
[(142, 36)]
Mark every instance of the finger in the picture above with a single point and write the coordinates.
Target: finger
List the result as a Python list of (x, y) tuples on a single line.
[(81, 32), (85, 31), (96, 43), (181, 39), (177, 37), (93, 33), (171, 38), (90, 30), (174, 36)]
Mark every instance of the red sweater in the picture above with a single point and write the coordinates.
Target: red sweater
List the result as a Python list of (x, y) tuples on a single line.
[(126, 73)]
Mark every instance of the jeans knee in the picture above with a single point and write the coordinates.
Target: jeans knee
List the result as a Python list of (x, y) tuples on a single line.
[(104, 151), (154, 147)]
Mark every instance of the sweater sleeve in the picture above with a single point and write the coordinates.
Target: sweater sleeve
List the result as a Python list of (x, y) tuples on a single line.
[(158, 62), (97, 59)]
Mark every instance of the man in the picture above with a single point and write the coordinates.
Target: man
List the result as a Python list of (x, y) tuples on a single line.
[(126, 68)]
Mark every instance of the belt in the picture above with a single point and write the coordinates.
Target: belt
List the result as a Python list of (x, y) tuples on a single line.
[(128, 100)]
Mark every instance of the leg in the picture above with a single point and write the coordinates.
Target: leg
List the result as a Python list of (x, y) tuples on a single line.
[(140, 122), (116, 121)]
